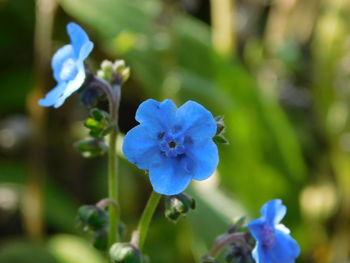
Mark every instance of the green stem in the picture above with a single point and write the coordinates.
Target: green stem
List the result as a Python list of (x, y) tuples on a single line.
[(146, 218), (114, 215), (113, 187)]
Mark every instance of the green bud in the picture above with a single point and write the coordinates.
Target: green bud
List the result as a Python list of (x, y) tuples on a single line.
[(92, 217), (178, 205), (106, 72), (99, 123), (125, 253), (122, 71), (114, 72), (100, 240), (91, 148)]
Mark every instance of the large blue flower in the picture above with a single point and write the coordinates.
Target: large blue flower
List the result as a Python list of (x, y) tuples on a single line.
[(174, 144), (273, 242), (68, 66)]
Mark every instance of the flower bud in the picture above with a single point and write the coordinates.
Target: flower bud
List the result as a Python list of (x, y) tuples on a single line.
[(239, 253), (115, 73), (92, 218), (125, 253), (99, 123), (91, 94), (178, 205), (100, 240), (91, 148)]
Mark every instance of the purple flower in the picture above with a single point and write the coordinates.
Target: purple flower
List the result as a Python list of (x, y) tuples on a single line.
[(68, 66), (273, 242), (174, 144)]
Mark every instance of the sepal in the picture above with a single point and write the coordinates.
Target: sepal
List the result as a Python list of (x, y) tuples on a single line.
[(178, 205)]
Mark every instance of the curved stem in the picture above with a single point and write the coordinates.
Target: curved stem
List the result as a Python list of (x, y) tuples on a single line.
[(140, 235), (108, 202), (225, 240)]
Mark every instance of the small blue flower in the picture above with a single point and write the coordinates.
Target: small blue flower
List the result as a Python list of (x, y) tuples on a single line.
[(273, 242), (174, 144), (68, 66)]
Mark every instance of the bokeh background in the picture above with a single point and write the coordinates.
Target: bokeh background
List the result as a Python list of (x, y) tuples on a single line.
[(279, 71)]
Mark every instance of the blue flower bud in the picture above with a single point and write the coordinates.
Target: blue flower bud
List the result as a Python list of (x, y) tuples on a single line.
[(125, 253), (239, 253)]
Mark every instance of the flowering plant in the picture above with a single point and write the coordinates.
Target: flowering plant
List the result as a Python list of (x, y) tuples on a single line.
[(174, 145)]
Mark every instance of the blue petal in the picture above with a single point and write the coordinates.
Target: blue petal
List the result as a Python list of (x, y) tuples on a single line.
[(273, 211), (71, 86), (53, 95), (255, 227), (140, 146), (59, 57), (159, 114), (260, 255), (196, 121), (202, 159), (79, 38), (85, 50), (168, 178), (285, 250)]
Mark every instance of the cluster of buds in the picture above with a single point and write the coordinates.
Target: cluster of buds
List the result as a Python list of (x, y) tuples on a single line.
[(115, 73), (238, 244), (94, 220)]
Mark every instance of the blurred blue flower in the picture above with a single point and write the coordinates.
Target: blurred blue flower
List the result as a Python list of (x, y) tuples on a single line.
[(68, 66), (273, 242), (174, 144)]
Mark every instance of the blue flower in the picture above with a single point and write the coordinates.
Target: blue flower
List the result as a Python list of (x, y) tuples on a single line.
[(273, 242), (68, 66), (174, 144)]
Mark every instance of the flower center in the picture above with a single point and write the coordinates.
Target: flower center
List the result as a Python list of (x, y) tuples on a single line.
[(268, 237), (171, 145), (69, 69)]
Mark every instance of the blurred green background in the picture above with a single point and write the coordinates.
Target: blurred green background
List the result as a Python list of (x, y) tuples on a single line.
[(279, 71)]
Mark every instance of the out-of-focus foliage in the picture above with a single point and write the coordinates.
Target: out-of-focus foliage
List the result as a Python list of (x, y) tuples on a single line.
[(284, 92)]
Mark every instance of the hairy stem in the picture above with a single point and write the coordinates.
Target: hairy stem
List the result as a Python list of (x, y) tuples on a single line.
[(140, 235), (114, 99), (113, 187)]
